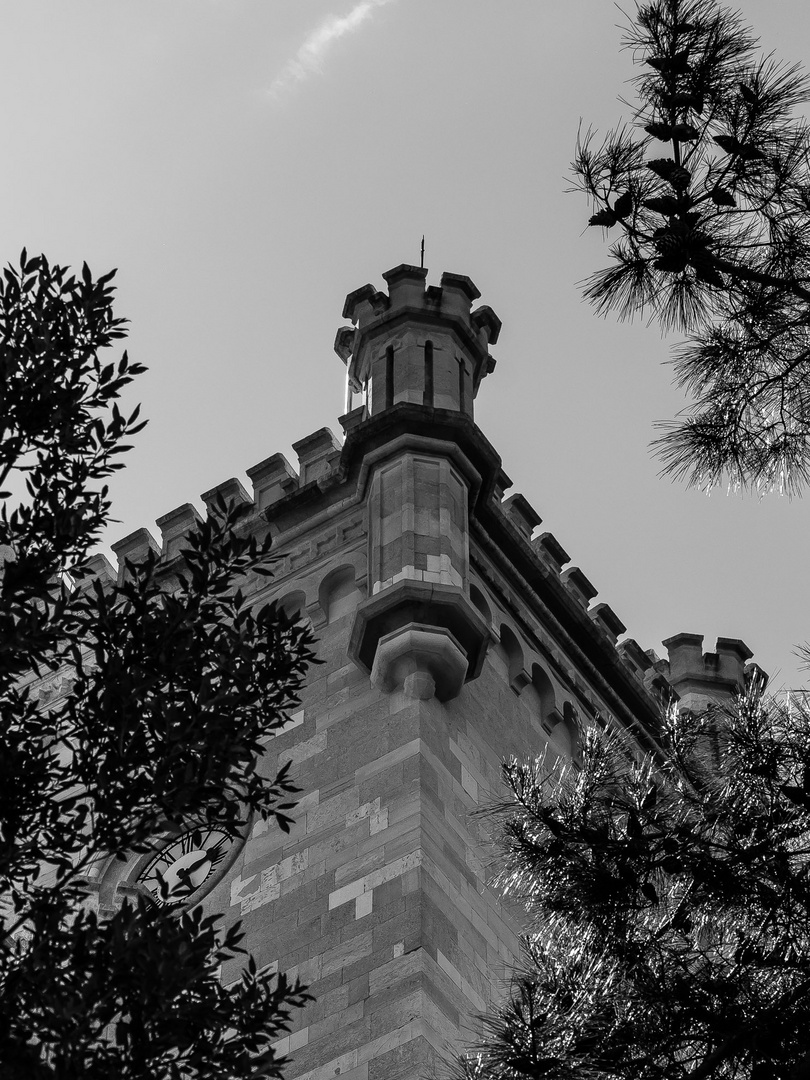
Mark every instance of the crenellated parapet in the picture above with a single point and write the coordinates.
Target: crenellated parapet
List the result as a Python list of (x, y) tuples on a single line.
[(700, 678), (428, 493), (417, 344)]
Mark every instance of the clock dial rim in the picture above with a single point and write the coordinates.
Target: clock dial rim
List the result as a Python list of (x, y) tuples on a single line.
[(213, 837)]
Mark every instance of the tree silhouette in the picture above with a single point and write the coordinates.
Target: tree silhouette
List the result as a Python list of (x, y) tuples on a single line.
[(669, 905), (709, 189), (168, 685)]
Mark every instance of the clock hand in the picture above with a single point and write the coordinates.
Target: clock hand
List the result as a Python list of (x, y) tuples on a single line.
[(215, 854), (184, 873)]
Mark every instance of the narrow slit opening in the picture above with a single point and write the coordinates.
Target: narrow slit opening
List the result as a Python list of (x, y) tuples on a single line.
[(389, 376), (427, 395)]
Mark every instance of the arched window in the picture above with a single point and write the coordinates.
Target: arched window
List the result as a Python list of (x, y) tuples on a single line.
[(338, 594), (510, 652), (564, 735), (541, 684), (480, 603), (294, 603)]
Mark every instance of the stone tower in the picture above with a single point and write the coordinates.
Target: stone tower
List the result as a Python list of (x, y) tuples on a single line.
[(451, 637)]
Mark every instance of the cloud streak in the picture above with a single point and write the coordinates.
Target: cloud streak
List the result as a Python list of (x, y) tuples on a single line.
[(309, 58)]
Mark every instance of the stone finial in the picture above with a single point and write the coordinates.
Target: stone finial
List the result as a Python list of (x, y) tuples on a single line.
[(606, 618), (458, 293), (406, 285), (316, 454), (635, 656), (502, 484), (229, 491), (364, 304), (175, 527), (272, 479), (551, 551), (522, 514), (578, 585), (134, 548), (344, 342), (487, 323), (96, 568)]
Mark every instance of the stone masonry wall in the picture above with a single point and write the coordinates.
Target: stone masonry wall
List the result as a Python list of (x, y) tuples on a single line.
[(379, 898)]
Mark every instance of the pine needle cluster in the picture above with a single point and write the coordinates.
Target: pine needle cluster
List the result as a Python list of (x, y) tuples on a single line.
[(709, 189), (669, 905)]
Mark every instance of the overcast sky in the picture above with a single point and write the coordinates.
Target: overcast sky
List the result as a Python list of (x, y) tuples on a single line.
[(246, 163)]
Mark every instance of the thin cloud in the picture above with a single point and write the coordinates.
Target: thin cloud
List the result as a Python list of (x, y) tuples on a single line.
[(309, 58)]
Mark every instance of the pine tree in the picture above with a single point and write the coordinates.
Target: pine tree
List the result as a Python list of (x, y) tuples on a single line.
[(708, 188), (167, 693), (668, 900)]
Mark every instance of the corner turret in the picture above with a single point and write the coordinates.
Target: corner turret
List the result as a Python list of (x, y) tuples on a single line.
[(699, 678), (425, 346), (415, 349)]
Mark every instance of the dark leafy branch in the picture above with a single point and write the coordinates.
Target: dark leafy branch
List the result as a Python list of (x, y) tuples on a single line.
[(170, 683)]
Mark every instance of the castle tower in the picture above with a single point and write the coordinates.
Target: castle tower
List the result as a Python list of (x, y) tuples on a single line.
[(451, 640), (701, 679), (451, 637)]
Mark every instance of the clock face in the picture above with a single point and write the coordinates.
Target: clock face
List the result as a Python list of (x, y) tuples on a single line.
[(183, 866)]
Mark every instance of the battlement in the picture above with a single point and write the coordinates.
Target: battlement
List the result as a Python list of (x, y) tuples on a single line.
[(417, 343), (274, 479), (424, 345), (699, 678), (271, 480)]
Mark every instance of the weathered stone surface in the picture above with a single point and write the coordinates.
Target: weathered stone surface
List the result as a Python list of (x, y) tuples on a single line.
[(379, 896)]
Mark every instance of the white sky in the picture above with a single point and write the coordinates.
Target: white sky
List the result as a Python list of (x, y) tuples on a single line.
[(246, 163)]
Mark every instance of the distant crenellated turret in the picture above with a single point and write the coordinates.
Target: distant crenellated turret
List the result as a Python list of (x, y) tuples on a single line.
[(699, 678), (415, 344)]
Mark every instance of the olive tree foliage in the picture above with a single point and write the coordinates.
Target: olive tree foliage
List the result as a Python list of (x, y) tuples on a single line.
[(669, 905), (705, 195), (167, 694)]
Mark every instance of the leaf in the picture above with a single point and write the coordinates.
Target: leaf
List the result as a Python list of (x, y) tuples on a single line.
[(605, 218), (685, 133), (670, 264), (651, 798), (553, 826), (634, 829), (663, 132), (677, 64), (664, 204), (721, 196), (670, 171), (797, 795), (623, 205), (529, 1065), (706, 273), (728, 143), (649, 891), (685, 100)]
